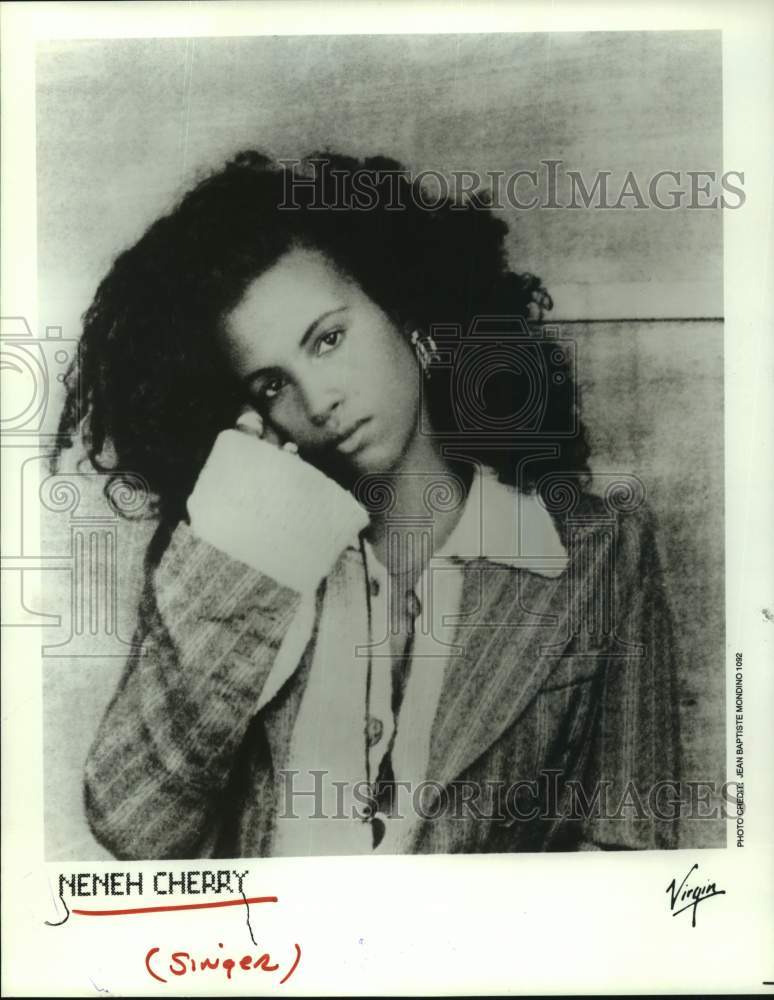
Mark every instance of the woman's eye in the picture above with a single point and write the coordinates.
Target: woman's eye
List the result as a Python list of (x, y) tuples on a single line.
[(329, 340), (272, 388)]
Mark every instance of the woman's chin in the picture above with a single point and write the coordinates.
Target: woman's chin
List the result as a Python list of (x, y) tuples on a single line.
[(346, 470)]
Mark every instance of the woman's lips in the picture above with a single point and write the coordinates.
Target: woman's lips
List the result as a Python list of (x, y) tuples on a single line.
[(352, 439)]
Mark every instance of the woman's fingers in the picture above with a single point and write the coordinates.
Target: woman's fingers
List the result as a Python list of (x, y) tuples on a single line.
[(250, 421)]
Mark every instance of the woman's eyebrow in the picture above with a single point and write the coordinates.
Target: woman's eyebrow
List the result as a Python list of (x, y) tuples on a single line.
[(302, 343), (321, 318)]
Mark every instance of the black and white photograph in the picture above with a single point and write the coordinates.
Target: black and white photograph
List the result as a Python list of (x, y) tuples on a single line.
[(422, 569), (374, 421)]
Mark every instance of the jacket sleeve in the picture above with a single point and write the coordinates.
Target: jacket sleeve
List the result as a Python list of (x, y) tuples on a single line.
[(213, 630), (210, 628), (635, 746)]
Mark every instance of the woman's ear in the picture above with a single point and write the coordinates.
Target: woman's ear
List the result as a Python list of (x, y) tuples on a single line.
[(425, 349)]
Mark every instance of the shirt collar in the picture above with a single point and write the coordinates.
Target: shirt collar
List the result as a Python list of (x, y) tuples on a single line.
[(503, 525)]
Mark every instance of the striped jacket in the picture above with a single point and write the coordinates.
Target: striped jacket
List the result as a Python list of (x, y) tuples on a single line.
[(556, 729)]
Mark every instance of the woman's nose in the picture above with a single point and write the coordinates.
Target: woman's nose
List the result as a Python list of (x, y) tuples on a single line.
[(322, 402)]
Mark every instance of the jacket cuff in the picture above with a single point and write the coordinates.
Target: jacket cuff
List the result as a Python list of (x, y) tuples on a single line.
[(273, 511)]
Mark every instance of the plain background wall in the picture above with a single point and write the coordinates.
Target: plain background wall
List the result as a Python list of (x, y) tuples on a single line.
[(124, 127)]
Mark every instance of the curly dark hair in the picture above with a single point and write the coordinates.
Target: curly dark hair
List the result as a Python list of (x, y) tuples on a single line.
[(151, 389)]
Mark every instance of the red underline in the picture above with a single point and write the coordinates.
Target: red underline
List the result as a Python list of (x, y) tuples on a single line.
[(179, 906)]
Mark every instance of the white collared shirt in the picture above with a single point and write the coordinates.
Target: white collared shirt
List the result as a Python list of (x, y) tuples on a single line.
[(497, 523)]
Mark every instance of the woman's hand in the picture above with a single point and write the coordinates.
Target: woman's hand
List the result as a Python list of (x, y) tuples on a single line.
[(250, 421), (259, 502)]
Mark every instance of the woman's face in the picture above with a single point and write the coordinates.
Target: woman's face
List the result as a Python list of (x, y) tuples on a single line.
[(326, 367)]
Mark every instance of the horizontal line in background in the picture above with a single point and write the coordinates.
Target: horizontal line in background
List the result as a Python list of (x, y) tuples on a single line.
[(548, 321), (644, 300)]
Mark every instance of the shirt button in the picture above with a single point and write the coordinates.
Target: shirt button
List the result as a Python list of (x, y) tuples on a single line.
[(374, 730), (374, 586)]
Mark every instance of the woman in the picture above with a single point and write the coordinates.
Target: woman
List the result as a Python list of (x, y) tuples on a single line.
[(382, 612)]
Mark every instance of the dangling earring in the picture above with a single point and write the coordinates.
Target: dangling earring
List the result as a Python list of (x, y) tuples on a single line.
[(426, 350)]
